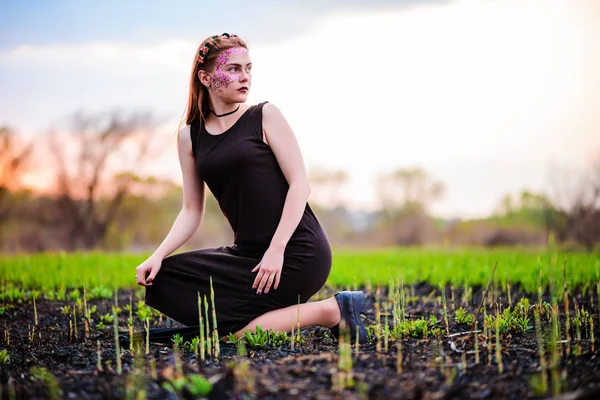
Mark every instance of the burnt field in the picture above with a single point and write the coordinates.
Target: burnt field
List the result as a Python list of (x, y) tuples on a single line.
[(525, 345)]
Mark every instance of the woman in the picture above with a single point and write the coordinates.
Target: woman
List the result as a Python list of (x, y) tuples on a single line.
[(249, 158)]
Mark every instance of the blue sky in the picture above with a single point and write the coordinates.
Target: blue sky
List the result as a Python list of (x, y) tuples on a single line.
[(485, 95), (69, 22)]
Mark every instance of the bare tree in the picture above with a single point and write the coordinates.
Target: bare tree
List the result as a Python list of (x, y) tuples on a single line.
[(408, 190), (14, 157), (405, 195), (579, 198), (95, 161), (328, 184)]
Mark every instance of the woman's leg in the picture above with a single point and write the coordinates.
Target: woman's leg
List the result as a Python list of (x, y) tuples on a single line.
[(323, 313)]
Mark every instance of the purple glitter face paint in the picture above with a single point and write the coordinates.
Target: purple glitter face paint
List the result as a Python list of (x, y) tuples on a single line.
[(219, 79)]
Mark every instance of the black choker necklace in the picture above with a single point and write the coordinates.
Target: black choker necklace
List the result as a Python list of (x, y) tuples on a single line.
[(223, 115)]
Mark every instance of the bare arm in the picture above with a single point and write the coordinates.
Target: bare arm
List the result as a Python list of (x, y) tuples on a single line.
[(287, 151), (194, 198)]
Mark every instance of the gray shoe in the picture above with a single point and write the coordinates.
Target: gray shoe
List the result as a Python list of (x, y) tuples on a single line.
[(352, 304)]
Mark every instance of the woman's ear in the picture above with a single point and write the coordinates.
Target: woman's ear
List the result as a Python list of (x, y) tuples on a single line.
[(203, 76)]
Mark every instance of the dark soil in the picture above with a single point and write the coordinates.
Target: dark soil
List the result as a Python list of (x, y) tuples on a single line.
[(434, 368)]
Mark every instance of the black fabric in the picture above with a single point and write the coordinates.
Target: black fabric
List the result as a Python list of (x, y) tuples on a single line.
[(243, 174)]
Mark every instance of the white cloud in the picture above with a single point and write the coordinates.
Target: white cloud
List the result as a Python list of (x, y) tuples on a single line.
[(482, 94)]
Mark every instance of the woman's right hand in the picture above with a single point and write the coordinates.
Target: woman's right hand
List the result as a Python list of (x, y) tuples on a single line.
[(149, 267)]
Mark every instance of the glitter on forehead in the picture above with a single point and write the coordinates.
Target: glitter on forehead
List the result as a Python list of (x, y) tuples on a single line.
[(224, 56)]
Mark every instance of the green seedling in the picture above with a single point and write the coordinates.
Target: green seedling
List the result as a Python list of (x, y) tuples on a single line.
[(66, 309), (193, 346), (345, 379), (419, 328), (498, 346), (177, 340), (591, 321), (387, 329), (207, 337), (98, 356), (79, 305), (467, 295), (476, 342), (101, 292), (85, 314), (129, 308), (443, 289), (543, 381), (107, 319), (30, 333), (232, 339), (463, 317), (35, 314), (196, 385), (258, 338), (201, 329), (117, 344), (144, 314), (378, 327), (74, 294), (6, 334), (539, 282), (75, 330), (554, 352), (297, 337), (522, 307), (137, 379), (566, 304), (214, 316), (522, 324), (4, 357), (52, 386)]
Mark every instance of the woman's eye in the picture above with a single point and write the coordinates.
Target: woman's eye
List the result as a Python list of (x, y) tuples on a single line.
[(233, 69)]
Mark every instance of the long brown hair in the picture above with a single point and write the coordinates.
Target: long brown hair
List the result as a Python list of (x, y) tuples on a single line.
[(197, 106)]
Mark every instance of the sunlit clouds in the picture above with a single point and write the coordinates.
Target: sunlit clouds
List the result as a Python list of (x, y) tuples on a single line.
[(482, 94)]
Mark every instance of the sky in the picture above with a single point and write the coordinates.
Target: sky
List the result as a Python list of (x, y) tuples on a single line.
[(487, 96)]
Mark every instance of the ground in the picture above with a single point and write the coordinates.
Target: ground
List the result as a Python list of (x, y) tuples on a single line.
[(435, 367)]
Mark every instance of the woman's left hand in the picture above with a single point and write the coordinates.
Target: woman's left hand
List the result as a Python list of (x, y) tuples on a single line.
[(269, 270)]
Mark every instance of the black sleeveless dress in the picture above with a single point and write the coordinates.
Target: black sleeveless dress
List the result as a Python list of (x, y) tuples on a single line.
[(243, 174)]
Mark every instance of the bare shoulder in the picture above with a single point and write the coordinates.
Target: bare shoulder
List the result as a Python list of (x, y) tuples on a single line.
[(184, 141), (273, 119), (271, 111), (184, 134)]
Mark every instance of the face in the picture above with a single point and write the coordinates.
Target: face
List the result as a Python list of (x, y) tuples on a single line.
[(232, 76)]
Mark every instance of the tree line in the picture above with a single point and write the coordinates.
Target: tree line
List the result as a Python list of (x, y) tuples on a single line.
[(99, 201)]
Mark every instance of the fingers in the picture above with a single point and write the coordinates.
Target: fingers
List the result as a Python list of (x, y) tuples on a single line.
[(269, 282), (140, 281), (257, 279), (263, 282), (277, 278), (152, 275), (140, 277)]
